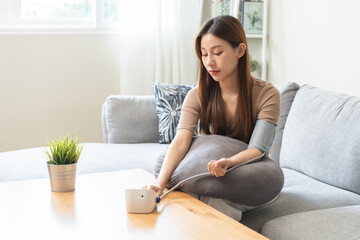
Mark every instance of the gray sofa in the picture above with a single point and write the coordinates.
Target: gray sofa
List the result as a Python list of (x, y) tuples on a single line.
[(317, 144), (319, 153)]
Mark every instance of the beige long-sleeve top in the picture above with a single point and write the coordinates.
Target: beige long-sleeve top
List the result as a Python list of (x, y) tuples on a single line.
[(265, 103)]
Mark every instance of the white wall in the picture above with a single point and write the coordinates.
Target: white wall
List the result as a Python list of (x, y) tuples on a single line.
[(316, 42), (54, 84)]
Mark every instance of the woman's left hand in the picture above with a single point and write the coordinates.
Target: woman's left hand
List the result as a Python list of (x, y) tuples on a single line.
[(218, 167)]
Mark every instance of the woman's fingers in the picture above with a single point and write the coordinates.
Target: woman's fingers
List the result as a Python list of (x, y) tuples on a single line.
[(217, 168), (214, 169), (211, 167), (157, 189)]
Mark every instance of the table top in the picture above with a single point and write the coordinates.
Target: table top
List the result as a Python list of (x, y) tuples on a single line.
[(96, 210)]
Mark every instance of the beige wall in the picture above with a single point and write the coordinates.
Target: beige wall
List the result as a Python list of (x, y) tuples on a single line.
[(54, 84), (316, 42)]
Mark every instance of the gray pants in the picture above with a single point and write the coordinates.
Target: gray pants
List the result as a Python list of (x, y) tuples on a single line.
[(228, 208)]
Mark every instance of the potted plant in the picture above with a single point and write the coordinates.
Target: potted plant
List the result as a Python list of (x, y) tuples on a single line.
[(63, 155)]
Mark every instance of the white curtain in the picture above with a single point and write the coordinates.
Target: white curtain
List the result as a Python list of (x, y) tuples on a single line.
[(157, 43)]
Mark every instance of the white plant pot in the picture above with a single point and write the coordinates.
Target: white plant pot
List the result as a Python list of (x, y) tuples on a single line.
[(62, 177)]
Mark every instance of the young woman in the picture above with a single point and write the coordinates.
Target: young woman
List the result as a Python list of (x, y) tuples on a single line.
[(228, 101)]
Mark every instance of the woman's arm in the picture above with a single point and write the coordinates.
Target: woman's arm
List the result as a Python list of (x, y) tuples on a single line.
[(244, 156), (260, 142), (180, 145), (219, 167), (177, 150)]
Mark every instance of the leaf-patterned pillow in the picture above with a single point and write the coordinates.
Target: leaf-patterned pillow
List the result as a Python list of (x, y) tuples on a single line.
[(169, 99)]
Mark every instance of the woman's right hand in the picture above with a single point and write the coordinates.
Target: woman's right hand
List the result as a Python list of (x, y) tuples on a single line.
[(156, 187), (176, 152)]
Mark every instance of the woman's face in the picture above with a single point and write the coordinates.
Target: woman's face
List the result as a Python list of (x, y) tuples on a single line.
[(220, 58)]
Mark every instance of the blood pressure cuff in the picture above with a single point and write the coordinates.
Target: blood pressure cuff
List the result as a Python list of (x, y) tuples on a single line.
[(252, 184), (262, 136)]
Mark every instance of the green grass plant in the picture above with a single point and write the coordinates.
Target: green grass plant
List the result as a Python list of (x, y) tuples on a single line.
[(65, 150)]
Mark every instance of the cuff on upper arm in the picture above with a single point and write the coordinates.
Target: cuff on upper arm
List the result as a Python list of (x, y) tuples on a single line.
[(262, 136)]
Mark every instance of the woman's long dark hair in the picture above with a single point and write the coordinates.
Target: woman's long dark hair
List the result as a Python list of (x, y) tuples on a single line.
[(212, 112)]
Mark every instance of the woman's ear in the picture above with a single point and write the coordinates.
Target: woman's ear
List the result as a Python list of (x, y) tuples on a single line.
[(241, 49)]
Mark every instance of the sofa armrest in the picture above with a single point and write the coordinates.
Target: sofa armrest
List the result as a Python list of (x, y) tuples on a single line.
[(130, 119), (287, 92), (103, 121)]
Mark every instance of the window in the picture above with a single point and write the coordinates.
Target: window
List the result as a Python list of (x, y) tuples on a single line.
[(109, 11), (50, 9), (58, 14)]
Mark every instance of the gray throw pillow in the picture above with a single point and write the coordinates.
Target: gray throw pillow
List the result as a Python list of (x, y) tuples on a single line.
[(251, 184), (169, 99)]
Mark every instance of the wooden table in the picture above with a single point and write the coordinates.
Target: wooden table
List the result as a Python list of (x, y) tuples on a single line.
[(96, 210)]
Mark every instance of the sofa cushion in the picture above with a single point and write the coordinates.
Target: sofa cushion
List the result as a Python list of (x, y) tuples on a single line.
[(287, 94), (327, 224), (169, 99), (129, 119), (322, 137), (251, 184), (95, 157), (299, 194)]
